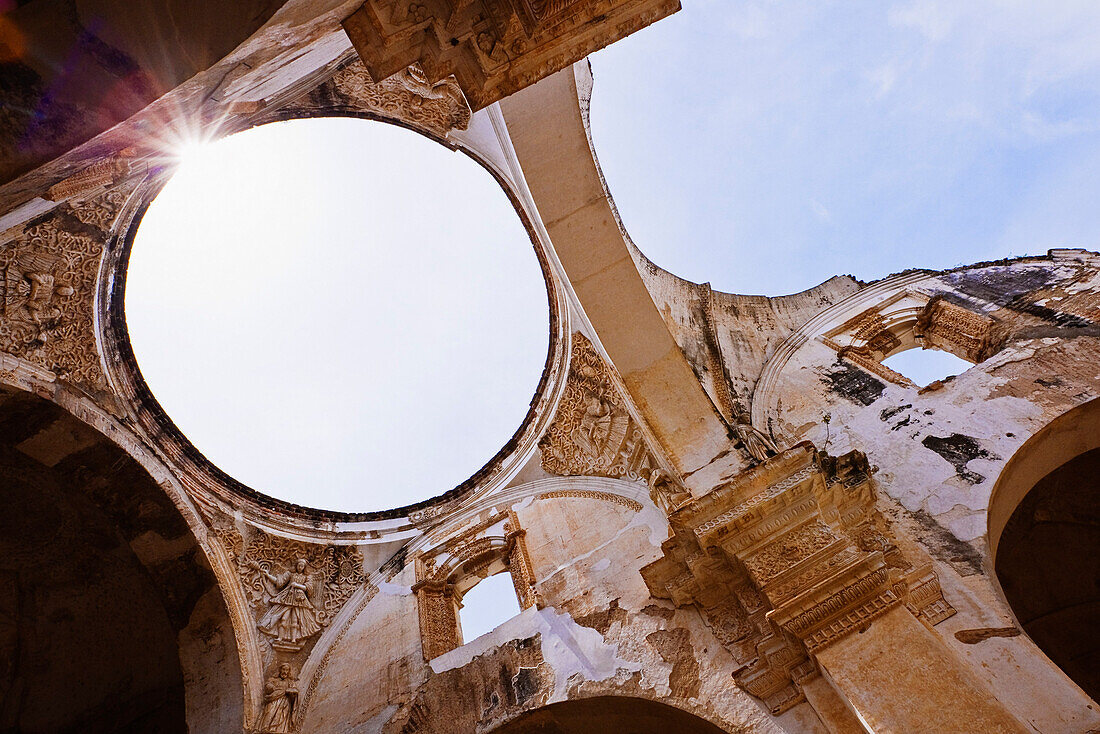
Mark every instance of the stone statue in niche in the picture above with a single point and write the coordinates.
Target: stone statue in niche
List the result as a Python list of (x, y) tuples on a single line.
[(292, 615), (280, 697), (758, 446), (665, 493)]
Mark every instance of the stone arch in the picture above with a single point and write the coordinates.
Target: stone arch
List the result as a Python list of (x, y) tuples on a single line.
[(440, 588), (1044, 536), (104, 587), (548, 128), (608, 713)]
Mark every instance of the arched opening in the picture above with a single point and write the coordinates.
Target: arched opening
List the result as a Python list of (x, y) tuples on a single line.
[(925, 366), (110, 619), (486, 606), (1048, 564), (1044, 535), (608, 714)]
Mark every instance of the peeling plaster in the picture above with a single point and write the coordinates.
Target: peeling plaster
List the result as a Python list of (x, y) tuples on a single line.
[(568, 648)]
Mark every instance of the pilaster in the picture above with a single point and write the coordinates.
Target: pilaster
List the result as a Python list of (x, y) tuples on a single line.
[(791, 558)]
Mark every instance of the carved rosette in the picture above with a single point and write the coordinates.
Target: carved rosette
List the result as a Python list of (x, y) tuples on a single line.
[(406, 96), (592, 433), (785, 560)]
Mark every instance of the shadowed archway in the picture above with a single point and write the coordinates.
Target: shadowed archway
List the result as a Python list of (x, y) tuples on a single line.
[(1044, 538), (110, 619), (1048, 564)]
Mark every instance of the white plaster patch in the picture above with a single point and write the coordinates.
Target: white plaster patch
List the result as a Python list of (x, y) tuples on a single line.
[(385, 587), (601, 564)]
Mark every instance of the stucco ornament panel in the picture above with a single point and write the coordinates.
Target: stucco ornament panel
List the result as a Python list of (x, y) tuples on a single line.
[(492, 47), (292, 592), (785, 560), (438, 107), (49, 274), (296, 588), (593, 434)]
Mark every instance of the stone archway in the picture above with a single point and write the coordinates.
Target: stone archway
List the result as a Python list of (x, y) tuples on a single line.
[(110, 618), (608, 714), (1045, 541), (1048, 565)]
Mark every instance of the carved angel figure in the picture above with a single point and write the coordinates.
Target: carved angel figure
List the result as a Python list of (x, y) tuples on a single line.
[(601, 430), (292, 616), (30, 292), (757, 445), (280, 696)]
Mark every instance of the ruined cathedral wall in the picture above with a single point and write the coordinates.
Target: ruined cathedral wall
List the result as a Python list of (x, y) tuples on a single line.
[(594, 630), (938, 450), (727, 338)]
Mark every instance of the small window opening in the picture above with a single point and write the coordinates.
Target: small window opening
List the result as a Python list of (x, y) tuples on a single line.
[(486, 606), (925, 366)]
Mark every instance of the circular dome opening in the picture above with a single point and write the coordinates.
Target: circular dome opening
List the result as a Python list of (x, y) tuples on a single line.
[(339, 313)]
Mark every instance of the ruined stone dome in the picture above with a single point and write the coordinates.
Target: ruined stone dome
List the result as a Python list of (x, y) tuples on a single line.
[(322, 334)]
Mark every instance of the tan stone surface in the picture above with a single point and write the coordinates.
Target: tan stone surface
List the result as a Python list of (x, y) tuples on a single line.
[(724, 506), (899, 677)]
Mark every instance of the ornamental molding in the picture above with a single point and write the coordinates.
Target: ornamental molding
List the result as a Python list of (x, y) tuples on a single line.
[(785, 560), (406, 96), (493, 48)]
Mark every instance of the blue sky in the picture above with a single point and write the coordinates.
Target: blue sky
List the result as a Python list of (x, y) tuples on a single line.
[(765, 146), (354, 319)]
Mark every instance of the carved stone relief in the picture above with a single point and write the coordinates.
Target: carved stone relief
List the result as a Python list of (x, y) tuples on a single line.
[(49, 273), (785, 560), (408, 96), (294, 591), (280, 698), (592, 433), (492, 47), (754, 443)]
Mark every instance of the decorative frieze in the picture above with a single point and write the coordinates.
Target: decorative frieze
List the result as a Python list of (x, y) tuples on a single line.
[(786, 559), (492, 47), (407, 96)]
